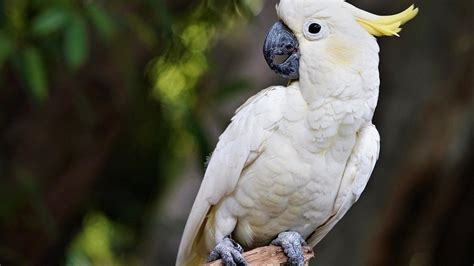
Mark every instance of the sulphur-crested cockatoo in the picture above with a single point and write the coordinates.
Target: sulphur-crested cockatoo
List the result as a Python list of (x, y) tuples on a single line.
[(294, 159)]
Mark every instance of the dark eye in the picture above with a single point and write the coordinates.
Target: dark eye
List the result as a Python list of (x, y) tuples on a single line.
[(314, 28)]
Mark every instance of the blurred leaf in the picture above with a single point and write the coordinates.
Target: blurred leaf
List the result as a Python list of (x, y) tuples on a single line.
[(98, 241), (163, 14), (232, 89), (15, 15), (75, 42), (142, 29), (255, 6), (2, 11), (49, 21), (34, 73), (102, 21), (6, 47)]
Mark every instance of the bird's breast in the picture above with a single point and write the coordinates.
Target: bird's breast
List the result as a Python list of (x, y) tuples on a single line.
[(294, 181), (288, 187)]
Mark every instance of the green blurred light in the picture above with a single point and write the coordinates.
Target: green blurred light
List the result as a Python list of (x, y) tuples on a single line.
[(195, 66), (171, 83), (197, 37), (176, 78), (178, 73), (95, 244), (255, 6)]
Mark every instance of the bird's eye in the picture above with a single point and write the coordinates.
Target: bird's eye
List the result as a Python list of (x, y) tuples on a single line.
[(315, 30)]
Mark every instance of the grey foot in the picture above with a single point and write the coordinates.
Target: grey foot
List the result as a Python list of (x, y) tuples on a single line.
[(292, 243), (229, 251)]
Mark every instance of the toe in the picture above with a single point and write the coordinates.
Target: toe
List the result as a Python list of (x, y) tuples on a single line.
[(238, 258), (213, 256), (291, 242), (294, 255), (228, 260), (229, 251), (276, 242)]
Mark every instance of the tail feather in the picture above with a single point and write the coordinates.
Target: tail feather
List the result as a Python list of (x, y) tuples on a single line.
[(196, 250)]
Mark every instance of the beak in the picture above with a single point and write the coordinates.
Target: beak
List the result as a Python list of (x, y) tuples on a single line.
[(281, 41)]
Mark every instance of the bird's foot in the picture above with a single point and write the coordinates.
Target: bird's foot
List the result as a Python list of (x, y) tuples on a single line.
[(292, 244), (229, 251)]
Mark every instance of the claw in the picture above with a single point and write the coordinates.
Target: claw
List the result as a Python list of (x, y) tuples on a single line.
[(229, 251), (292, 243)]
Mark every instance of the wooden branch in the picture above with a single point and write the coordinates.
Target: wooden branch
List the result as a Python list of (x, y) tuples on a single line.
[(268, 255)]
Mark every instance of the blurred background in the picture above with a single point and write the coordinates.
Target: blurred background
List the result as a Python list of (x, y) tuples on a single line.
[(109, 109)]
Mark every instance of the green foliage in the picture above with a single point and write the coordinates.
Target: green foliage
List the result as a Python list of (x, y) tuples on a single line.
[(33, 30), (45, 42), (6, 47), (75, 42), (49, 21), (97, 242), (102, 21), (68, 24), (177, 74), (34, 74)]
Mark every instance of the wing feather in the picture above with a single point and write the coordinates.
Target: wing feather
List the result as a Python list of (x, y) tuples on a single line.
[(237, 148), (356, 175)]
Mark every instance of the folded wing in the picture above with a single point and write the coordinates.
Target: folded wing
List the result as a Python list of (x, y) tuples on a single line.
[(356, 175), (238, 147)]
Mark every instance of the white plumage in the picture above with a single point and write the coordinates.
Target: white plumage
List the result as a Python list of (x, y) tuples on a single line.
[(297, 157), (275, 170)]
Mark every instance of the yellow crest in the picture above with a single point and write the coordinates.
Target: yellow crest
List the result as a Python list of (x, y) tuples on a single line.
[(383, 25)]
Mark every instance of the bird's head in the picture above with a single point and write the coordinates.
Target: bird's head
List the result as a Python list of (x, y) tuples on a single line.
[(327, 35)]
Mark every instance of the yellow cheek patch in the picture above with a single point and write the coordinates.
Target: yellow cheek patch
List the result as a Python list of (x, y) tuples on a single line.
[(340, 50), (385, 25)]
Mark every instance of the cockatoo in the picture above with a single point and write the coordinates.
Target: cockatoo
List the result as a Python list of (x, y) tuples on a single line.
[(294, 159)]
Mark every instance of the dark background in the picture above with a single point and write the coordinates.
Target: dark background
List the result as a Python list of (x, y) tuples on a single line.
[(108, 110)]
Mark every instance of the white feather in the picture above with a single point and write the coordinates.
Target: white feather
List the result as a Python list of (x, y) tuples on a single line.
[(297, 157), (355, 178), (253, 121)]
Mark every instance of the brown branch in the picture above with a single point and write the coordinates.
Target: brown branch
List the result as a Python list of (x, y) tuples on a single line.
[(268, 255)]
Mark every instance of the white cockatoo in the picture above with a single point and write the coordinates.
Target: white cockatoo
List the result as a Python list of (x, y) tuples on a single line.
[(294, 159)]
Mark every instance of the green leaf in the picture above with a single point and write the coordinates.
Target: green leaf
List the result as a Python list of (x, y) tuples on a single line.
[(75, 42), (101, 20), (6, 47), (49, 21), (34, 73)]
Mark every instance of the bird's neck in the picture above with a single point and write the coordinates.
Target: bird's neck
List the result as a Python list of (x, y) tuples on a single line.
[(350, 99), (339, 84)]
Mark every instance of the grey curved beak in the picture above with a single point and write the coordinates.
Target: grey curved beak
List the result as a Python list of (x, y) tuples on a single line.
[(281, 41)]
